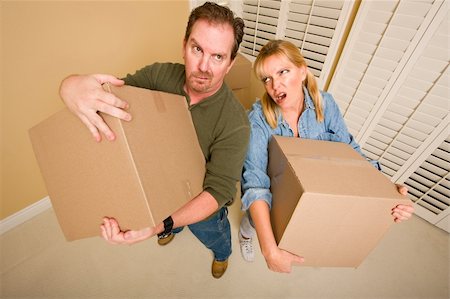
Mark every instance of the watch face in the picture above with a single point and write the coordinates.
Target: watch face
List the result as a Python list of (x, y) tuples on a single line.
[(163, 235)]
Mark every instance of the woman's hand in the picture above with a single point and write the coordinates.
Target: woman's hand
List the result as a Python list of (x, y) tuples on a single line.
[(402, 212), (279, 260)]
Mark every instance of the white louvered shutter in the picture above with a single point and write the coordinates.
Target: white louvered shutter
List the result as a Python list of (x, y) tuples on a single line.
[(314, 26), (261, 22), (429, 186), (392, 85)]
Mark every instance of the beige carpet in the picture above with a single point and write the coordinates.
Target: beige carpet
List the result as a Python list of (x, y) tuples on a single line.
[(412, 261)]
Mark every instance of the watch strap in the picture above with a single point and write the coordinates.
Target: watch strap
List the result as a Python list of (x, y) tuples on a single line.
[(168, 226)]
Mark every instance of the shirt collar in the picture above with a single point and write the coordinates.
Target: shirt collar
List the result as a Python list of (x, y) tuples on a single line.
[(308, 102)]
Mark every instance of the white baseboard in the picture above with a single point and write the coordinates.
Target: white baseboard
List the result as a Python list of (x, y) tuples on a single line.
[(24, 215)]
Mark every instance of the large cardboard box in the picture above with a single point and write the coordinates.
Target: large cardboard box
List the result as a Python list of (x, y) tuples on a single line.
[(238, 80), (154, 166), (239, 75), (330, 205)]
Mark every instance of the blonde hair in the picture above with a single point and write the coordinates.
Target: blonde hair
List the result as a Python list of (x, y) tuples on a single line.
[(290, 51)]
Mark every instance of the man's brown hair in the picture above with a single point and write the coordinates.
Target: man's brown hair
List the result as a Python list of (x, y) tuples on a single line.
[(217, 14)]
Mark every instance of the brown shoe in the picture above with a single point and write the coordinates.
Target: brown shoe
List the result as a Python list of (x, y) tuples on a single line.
[(166, 240), (219, 268)]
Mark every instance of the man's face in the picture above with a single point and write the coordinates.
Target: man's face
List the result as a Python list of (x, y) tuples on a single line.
[(207, 57)]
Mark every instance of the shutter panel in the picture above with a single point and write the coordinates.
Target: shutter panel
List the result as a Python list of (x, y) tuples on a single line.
[(429, 185), (311, 26), (377, 50), (314, 26), (392, 85), (261, 21)]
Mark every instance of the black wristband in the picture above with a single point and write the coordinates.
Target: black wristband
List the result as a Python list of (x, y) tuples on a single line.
[(168, 225)]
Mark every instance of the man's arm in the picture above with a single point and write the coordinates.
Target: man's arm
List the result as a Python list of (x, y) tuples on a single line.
[(194, 211), (84, 96)]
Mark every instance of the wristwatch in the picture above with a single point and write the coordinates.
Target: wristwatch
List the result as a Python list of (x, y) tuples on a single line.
[(168, 225)]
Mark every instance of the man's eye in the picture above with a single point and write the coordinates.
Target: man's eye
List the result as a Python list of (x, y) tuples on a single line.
[(197, 49), (218, 57)]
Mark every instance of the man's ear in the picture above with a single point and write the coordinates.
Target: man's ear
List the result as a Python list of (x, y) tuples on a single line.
[(231, 65), (183, 50)]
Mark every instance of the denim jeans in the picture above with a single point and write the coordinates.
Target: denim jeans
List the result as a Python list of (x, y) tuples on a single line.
[(214, 233)]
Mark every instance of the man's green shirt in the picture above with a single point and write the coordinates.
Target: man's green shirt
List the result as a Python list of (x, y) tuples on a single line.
[(220, 122)]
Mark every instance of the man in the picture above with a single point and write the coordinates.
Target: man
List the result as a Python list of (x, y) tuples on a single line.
[(210, 45)]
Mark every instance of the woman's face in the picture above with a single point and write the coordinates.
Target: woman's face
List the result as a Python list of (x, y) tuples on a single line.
[(283, 80)]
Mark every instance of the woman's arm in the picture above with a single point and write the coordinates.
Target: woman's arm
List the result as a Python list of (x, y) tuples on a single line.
[(277, 260)]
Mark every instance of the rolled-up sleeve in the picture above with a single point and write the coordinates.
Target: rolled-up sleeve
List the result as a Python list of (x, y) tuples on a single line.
[(224, 168), (255, 181)]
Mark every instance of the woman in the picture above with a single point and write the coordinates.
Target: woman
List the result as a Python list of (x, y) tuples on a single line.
[(292, 106)]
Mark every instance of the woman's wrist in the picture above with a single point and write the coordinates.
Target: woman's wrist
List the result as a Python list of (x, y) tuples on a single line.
[(269, 249)]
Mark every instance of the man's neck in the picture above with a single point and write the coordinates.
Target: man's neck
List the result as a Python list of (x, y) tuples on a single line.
[(197, 97)]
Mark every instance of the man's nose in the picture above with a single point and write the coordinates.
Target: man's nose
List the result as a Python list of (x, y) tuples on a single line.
[(203, 63)]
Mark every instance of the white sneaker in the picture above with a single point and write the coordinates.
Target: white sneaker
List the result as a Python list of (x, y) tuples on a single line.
[(246, 246)]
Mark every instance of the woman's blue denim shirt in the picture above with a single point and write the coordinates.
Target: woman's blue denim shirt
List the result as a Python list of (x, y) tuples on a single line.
[(255, 181)]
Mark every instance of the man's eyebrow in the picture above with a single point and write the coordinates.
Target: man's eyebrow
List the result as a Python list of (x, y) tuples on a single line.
[(193, 41)]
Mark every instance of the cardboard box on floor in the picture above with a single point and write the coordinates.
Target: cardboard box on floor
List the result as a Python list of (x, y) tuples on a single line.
[(238, 80), (330, 205), (154, 166)]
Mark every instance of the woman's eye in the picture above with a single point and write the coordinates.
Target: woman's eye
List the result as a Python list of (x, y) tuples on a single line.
[(284, 72), (266, 80)]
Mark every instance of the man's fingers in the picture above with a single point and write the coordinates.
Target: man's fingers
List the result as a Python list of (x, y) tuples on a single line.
[(92, 128), (111, 232), (109, 105), (103, 232), (103, 78), (115, 229), (106, 229), (100, 125), (298, 260), (112, 100)]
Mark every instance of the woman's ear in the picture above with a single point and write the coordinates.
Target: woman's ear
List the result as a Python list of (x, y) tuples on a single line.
[(303, 72)]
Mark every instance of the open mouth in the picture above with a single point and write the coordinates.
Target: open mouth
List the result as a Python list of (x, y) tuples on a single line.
[(280, 97)]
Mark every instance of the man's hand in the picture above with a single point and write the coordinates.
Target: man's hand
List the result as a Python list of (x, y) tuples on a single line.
[(402, 212), (112, 233), (84, 96), (279, 260)]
